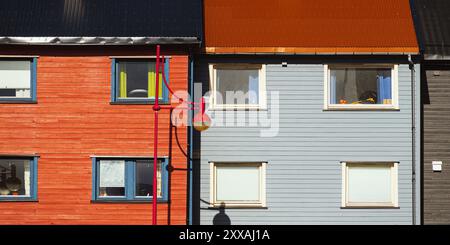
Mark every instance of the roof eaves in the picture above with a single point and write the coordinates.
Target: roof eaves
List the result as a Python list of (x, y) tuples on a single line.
[(314, 51), (97, 40)]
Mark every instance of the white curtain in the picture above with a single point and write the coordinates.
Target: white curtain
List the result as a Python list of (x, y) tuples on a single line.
[(369, 183), (15, 74), (27, 178), (112, 173), (159, 179)]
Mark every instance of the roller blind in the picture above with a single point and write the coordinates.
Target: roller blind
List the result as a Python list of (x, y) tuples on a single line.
[(15, 74), (112, 173), (238, 183), (370, 183)]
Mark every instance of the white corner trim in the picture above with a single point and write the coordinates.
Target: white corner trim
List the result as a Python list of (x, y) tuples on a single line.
[(326, 93), (212, 184), (344, 184)]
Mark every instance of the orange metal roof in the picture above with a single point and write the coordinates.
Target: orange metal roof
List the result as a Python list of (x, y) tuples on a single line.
[(309, 26)]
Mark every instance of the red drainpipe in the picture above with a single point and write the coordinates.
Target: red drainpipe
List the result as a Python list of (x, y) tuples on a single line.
[(156, 108)]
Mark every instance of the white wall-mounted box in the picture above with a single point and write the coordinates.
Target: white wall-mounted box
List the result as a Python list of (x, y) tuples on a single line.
[(437, 166)]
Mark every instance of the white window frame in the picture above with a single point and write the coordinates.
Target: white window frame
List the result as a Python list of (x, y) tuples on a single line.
[(236, 204), (262, 104), (394, 187), (394, 89)]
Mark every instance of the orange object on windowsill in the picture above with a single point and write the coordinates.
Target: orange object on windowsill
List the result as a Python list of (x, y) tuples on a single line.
[(342, 101)]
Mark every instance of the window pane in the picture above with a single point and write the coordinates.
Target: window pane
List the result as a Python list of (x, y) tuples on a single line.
[(238, 183), (144, 178), (112, 178), (137, 79), (369, 183), (15, 177), (246, 82), (15, 79), (360, 86)]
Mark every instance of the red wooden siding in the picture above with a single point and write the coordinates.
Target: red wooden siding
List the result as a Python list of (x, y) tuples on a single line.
[(73, 120)]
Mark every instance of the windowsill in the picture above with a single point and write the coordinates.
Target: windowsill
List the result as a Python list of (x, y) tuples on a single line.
[(17, 101), (369, 207), (12, 199), (120, 157), (361, 108), (138, 102), (238, 207), (232, 108), (128, 201)]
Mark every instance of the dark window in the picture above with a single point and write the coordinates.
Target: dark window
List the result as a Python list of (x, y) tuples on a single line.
[(17, 178), (144, 178)]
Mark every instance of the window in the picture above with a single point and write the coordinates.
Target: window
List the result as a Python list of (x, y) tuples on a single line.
[(17, 80), (134, 81), (369, 185), (118, 179), (18, 180), (361, 87), (238, 86), (238, 184)]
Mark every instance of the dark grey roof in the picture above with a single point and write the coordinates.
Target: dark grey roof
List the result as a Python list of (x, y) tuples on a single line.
[(103, 21), (432, 21)]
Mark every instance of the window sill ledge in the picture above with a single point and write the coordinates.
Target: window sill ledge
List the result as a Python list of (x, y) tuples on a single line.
[(370, 207), (137, 103), (17, 200), (17, 101), (362, 109), (237, 207), (128, 201), (237, 109)]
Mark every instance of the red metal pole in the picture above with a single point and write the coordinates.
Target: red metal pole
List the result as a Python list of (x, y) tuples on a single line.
[(156, 108), (202, 106)]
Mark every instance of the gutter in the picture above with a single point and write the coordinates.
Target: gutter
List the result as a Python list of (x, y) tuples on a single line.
[(97, 40), (413, 138), (312, 53), (190, 143)]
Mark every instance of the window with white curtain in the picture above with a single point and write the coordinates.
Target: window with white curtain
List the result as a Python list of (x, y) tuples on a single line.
[(369, 184), (238, 184), (129, 179), (363, 86), (112, 178), (15, 79), (238, 86)]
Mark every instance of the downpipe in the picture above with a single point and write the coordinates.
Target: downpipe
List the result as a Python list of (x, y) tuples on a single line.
[(413, 138)]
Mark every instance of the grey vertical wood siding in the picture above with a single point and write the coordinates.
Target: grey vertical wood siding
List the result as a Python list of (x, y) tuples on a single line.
[(303, 181), (436, 134)]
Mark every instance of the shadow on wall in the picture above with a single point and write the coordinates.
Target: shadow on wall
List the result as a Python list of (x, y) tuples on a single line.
[(221, 218)]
